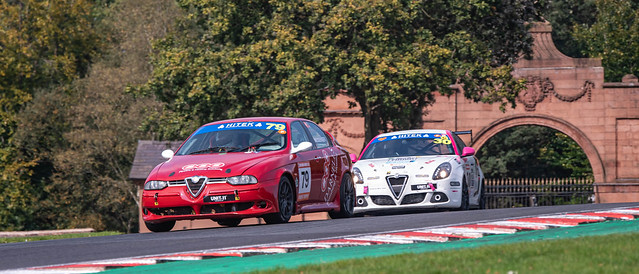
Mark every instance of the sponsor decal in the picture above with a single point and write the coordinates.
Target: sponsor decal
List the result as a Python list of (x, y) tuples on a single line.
[(279, 127), (398, 167), (203, 166), (220, 198), (402, 136), (330, 175), (429, 161), (419, 187), (399, 160)]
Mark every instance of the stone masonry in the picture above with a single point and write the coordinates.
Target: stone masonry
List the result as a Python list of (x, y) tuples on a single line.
[(563, 93)]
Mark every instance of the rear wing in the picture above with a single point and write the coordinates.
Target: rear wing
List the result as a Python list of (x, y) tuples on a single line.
[(463, 132)]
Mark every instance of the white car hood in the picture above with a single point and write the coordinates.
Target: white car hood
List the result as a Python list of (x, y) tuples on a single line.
[(420, 166)]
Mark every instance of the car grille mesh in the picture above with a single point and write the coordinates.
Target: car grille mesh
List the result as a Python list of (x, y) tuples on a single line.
[(172, 211), (382, 200), (413, 198), (396, 184)]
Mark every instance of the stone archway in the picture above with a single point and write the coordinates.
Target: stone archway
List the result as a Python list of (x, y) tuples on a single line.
[(552, 122), (564, 93)]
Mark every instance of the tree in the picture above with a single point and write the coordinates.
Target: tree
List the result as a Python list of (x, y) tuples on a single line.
[(227, 61), (42, 44), (614, 37), (284, 57), (84, 133), (533, 152), (563, 16), (391, 55)]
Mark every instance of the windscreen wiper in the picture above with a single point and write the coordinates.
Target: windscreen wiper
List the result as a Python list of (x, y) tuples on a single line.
[(256, 146), (213, 150)]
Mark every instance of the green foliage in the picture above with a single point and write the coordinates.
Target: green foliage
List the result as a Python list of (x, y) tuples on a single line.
[(56, 237), (80, 137), (227, 61), (614, 37), (563, 16), (533, 152), (284, 57), (43, 44)]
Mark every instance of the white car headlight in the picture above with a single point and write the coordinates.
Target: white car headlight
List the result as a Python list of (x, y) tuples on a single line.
[(155, 185), (242, 180), (442, 171), (357, 176)]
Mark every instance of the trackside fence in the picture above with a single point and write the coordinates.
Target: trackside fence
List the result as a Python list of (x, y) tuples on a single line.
[(525, 192)]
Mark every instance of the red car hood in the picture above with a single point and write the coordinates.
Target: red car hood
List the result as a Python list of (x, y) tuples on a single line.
[(209, 165)]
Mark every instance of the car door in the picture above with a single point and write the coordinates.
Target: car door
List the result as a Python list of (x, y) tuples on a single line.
[(327, 159), (308, 171), (470, 167)]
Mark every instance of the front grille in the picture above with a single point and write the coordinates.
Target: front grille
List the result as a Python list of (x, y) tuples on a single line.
[(383, 200), (396, 184), (171, 211), (221, 208), (413, 198), (208, 182)]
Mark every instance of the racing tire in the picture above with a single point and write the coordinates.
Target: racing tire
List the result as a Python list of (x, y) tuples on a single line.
[(229, 222), (346, 199), (160, 227), (285, 201), (465, 204)]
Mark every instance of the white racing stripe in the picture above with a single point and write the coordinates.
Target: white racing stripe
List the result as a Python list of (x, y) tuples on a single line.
[(585, 217), (532, 226), (383, 238)]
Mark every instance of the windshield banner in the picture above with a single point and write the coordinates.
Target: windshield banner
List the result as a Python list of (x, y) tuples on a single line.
[(243, 125)]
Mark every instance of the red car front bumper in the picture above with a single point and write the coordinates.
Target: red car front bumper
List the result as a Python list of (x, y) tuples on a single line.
[(216, 201)]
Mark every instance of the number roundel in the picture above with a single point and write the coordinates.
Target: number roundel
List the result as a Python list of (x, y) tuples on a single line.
[(442, 140)]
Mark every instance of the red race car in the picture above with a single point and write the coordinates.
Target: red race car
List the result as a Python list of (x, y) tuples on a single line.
[(264, 167)]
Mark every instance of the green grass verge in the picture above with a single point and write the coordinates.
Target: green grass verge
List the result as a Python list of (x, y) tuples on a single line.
[(54, 237), (592, 254)]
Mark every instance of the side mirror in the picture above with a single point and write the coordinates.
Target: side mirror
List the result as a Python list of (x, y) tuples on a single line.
[(167, 154), (353, 157), (303, 146), (468, 151)]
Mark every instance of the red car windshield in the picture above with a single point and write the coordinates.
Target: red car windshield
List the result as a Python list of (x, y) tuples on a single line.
[(236, 137)]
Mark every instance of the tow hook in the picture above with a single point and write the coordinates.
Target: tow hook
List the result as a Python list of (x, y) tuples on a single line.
[(156, 199)]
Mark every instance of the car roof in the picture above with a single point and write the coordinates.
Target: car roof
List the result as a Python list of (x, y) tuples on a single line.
[(260, 119)]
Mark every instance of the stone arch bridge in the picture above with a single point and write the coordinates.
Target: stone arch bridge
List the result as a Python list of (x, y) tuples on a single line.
[(563, 93)]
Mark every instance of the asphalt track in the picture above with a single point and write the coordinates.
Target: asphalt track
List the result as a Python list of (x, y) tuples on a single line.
[(319, 256), (55, 252)]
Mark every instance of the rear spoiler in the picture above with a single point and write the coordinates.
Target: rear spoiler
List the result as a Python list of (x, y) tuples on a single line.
[(465, 132)]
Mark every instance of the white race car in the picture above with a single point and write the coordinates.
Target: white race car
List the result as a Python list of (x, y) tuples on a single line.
[(416, 169)]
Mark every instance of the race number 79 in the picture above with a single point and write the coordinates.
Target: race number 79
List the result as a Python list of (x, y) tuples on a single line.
[(276, 126), (305, 180)]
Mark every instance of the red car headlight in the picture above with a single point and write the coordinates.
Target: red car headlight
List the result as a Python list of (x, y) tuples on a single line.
[(242, 180), (155, 185)]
